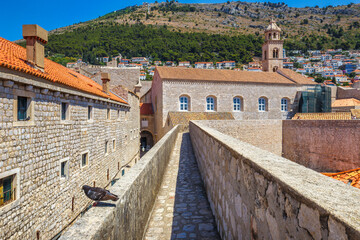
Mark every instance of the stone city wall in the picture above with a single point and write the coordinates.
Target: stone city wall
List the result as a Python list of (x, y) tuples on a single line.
[(137, 191), (255, 194), (322, 145), (264, 134), (33, 150)]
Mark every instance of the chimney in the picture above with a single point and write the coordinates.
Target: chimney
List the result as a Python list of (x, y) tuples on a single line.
[(36, 38), (105, 78)]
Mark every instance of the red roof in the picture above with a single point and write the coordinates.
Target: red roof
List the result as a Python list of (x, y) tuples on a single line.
[(146, 109), (13, 56), (351, 177)]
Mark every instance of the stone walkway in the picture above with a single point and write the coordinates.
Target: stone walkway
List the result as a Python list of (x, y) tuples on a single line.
[(181, 209)]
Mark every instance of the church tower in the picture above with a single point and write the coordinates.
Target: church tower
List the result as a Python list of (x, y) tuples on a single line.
[(272, 49)]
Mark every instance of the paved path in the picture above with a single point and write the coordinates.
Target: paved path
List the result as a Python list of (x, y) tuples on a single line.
[(181, 209)]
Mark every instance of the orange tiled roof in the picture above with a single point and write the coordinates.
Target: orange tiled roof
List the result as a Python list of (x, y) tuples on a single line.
[(351, 177), (146, 109), (347, 102), (195, 74), (323, 116), (13, 56)]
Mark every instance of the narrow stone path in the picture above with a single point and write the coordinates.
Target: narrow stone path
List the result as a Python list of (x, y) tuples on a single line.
[(181, 209)]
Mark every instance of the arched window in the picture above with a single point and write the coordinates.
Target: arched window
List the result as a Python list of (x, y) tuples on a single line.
[(269, 36), (275, 53), (284, 104), (184, 103), (274, 35), (262, 104), (237, 104), (210, 104)]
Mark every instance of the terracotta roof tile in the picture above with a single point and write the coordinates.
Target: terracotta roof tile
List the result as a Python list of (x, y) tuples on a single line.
[(195, 74), (347, 102), (13, 56), (296, 77), (351, 177), (323, 116), (185, 117), (146, 109)]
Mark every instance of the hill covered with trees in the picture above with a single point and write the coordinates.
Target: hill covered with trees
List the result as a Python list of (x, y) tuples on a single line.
[(205, 32)]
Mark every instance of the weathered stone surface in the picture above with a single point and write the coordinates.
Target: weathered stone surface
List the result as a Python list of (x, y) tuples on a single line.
[(310, 220), (336, 230), (279, 199)]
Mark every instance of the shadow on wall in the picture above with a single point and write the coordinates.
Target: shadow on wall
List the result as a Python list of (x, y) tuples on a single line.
[(192, 217)]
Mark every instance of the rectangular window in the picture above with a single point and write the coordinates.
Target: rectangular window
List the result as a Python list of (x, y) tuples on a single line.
[(123, 172), (90, 108), (118, 114), (114, 145), (106, 146), (64, 168), (7, 190), (64, 111), (22, 109), (108, 113), (84, 159)]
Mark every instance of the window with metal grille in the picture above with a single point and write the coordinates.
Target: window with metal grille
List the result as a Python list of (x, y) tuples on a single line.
[(22, 108), (7, 190)]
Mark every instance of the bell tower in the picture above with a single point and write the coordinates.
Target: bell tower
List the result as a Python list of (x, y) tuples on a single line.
[(272, 49)]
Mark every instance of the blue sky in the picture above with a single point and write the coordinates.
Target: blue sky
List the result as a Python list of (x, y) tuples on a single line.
[(55, 14)]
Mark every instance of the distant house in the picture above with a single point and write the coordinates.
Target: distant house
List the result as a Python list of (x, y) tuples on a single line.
[(138, 59), (254, 69), (204, 65), (71, 65), (325, 57), (341, 78), (151, 73), (184, 64), (225, 65), (142, 76), (170, 63), (157, 63), (301, 70), (289, 65)]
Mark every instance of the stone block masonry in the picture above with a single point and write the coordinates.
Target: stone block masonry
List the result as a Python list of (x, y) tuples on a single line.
[(255, 194), (137, 191), (34, 150), (322, 145)]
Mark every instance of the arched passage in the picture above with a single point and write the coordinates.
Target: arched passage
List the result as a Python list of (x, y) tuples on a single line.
[(146, 140)]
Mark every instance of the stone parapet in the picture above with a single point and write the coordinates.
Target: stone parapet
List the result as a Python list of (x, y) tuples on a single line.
[(255, 194), (137, 190)]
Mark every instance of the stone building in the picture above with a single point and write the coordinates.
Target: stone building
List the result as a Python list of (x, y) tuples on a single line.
[(59, 130), (247, 95)]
